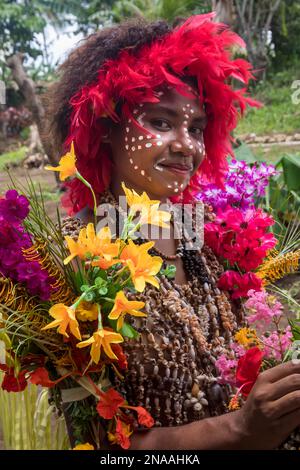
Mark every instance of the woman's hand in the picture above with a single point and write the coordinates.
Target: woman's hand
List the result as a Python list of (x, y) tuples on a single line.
[(272, 409)]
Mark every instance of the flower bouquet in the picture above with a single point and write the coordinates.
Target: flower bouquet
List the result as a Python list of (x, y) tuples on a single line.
[(64, 306), (254, 259)]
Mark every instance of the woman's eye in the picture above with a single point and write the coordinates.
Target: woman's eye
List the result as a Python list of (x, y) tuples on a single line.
[(161, 123), (197, 131)]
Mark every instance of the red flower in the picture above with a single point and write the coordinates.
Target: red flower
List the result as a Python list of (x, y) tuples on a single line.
[(144, 418), (241, 237), (40, 376), (122, 359), (239, 284), (122, 434), (11, 383), (248, 369), (109, 403)]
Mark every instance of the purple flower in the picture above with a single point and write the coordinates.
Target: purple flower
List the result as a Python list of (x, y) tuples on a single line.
[(13, 207), (36, 279), (243, 185)]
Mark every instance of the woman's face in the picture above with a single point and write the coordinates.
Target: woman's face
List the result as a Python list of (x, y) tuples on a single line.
[(163, 161)]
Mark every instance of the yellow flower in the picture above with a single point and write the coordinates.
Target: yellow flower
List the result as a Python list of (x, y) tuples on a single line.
[(142, 266), (96, 244), (101, 338), (122, 306), (136, 201), (87, 311), (151, 215), (85, 446), (247, 337), (64, 318), (66, 166)]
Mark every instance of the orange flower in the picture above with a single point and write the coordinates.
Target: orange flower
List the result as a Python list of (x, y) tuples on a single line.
[(101, 338), (143, 267), (66, 166), (121, 436), (86, 446), (64, 318), (122, 306)]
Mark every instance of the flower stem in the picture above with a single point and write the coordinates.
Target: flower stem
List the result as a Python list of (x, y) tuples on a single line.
[(88, 185)]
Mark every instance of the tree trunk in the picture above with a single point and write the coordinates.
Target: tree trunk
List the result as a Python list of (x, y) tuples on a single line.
[(224, 11), (33, 102)]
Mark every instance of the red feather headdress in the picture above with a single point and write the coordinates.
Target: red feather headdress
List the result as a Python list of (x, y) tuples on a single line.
[(198, 48)]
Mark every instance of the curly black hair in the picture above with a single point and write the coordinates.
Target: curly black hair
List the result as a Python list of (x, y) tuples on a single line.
[(82, 65)]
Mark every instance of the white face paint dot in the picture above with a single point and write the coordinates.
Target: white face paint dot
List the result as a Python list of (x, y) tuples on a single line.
[(126, 139), (191, 147), (186, 116), (188, 105), (127, 147), (135, 111), (127, 129), (139, 147), (141, 137), (149, 178), (176, 183), (183, 109), (159, 143), (135, 167), (148, 136), (129, 120), (141, 105), (192, 111), (133, 149), (185, 123), (181, 186), (169, 186), (133, 139), (158, 136), (176, 190), (131, 161), (148, 145), (142, 172)]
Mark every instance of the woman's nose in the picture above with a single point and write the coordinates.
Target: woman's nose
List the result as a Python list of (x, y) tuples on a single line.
[(182, 143)]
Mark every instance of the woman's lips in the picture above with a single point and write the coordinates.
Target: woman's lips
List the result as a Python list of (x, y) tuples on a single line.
[(178, 169)]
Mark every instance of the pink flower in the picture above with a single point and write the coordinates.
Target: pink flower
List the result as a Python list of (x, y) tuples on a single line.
[(263, 307), (276, 345), (239, 284), (227, 370)]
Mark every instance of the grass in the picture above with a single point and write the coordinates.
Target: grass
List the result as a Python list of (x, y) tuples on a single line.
[(279, 114), (14, 156)]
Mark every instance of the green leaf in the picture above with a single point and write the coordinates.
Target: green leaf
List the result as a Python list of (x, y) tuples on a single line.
[(291, 172), (128, 331), (169, 271), (89, 296), (99, 281), (103, 291), (243, 152), (84, 288)]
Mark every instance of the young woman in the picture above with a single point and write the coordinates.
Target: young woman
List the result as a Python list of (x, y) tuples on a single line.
[(151, 105)]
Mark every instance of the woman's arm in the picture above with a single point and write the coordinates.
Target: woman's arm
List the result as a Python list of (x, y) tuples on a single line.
[(270, 414)]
